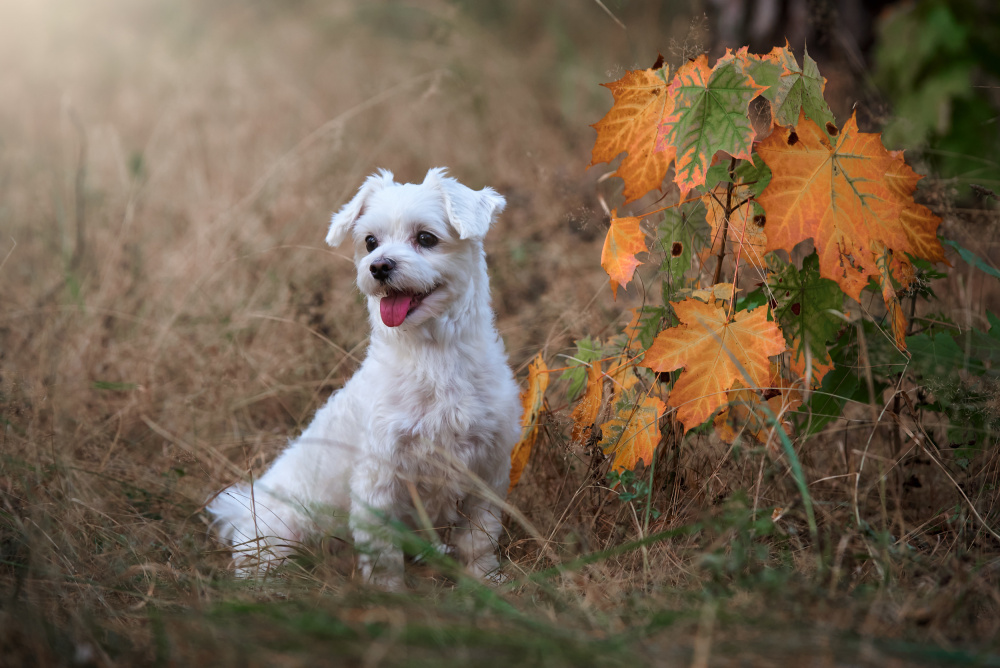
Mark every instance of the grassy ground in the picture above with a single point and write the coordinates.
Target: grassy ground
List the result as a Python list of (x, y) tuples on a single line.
[(169, 315)]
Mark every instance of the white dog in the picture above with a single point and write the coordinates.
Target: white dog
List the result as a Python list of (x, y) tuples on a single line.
[(424, 430)]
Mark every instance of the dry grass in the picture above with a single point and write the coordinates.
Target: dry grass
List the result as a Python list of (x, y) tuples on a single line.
[(169, 315)]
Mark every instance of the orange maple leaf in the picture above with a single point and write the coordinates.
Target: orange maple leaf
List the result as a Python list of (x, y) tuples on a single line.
[(797, 363), (585, 412), (919, 222), (532, 401), (641, 103), (894, 310), (852, 197), (746, 231), (633, 433), (624, 240), (712, 350)]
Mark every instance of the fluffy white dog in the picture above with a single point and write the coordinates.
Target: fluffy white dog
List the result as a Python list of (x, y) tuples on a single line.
[(424, 430)]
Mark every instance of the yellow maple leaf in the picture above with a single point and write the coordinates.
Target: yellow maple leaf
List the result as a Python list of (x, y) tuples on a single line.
[(641, 104), (532, 401), (632, 434), (585, 412), (624, 240), (714, 353)]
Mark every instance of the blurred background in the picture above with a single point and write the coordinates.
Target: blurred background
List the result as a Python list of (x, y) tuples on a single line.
[(169, 313), (167, 168)]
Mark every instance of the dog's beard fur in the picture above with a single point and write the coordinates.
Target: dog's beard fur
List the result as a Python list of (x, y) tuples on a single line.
[(428, 421)]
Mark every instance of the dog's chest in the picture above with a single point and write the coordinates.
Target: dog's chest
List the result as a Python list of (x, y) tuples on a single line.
[(426, 410)]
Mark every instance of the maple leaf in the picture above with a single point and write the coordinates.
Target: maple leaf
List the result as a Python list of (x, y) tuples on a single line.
[(585, 412), (624, 240), (745, 234), (676, 237), (720, 291), (622, 377), (789, 88), (712, 350), (837, 194), (802, 365), (587, 351), (709, 115), (749, 413), (641, 104), (919, 222), (894, 310), (632, 434), (806, 303), (643, 326), (532, 400)]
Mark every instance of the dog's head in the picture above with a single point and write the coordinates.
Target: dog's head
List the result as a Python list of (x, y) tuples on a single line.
[(418, 247)]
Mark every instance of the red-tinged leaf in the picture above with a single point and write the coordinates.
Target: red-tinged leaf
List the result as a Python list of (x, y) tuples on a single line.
[(585, 413), (624, 240), (712, 350), (710, 114), (532, 401), (641, 104), (632, 434)]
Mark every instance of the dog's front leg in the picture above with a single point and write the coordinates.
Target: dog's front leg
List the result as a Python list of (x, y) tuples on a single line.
[(375, 528), (476, 538)]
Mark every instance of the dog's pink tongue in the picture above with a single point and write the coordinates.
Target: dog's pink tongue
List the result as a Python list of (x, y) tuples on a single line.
[(394, 307)]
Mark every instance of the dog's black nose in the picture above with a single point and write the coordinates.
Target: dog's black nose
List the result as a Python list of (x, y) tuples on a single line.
[(382, 268)]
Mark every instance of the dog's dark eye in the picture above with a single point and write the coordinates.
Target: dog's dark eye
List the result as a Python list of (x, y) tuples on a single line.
[(427, 240), (371, 243)]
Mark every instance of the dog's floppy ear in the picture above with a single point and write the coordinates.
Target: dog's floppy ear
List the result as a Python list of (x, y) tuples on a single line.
[(471, 212), (343, 220)]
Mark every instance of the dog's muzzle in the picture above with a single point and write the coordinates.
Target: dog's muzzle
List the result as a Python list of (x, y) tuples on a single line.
[(381, 269)]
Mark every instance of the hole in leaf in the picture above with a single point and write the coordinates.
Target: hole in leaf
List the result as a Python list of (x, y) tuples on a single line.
[(759, 220), (793, 138), (676, 249), (832, 129), (770, 393)]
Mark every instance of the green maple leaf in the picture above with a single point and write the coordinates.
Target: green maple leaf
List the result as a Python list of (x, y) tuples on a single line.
[(805, 304), (789, 88), (709, 115)]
